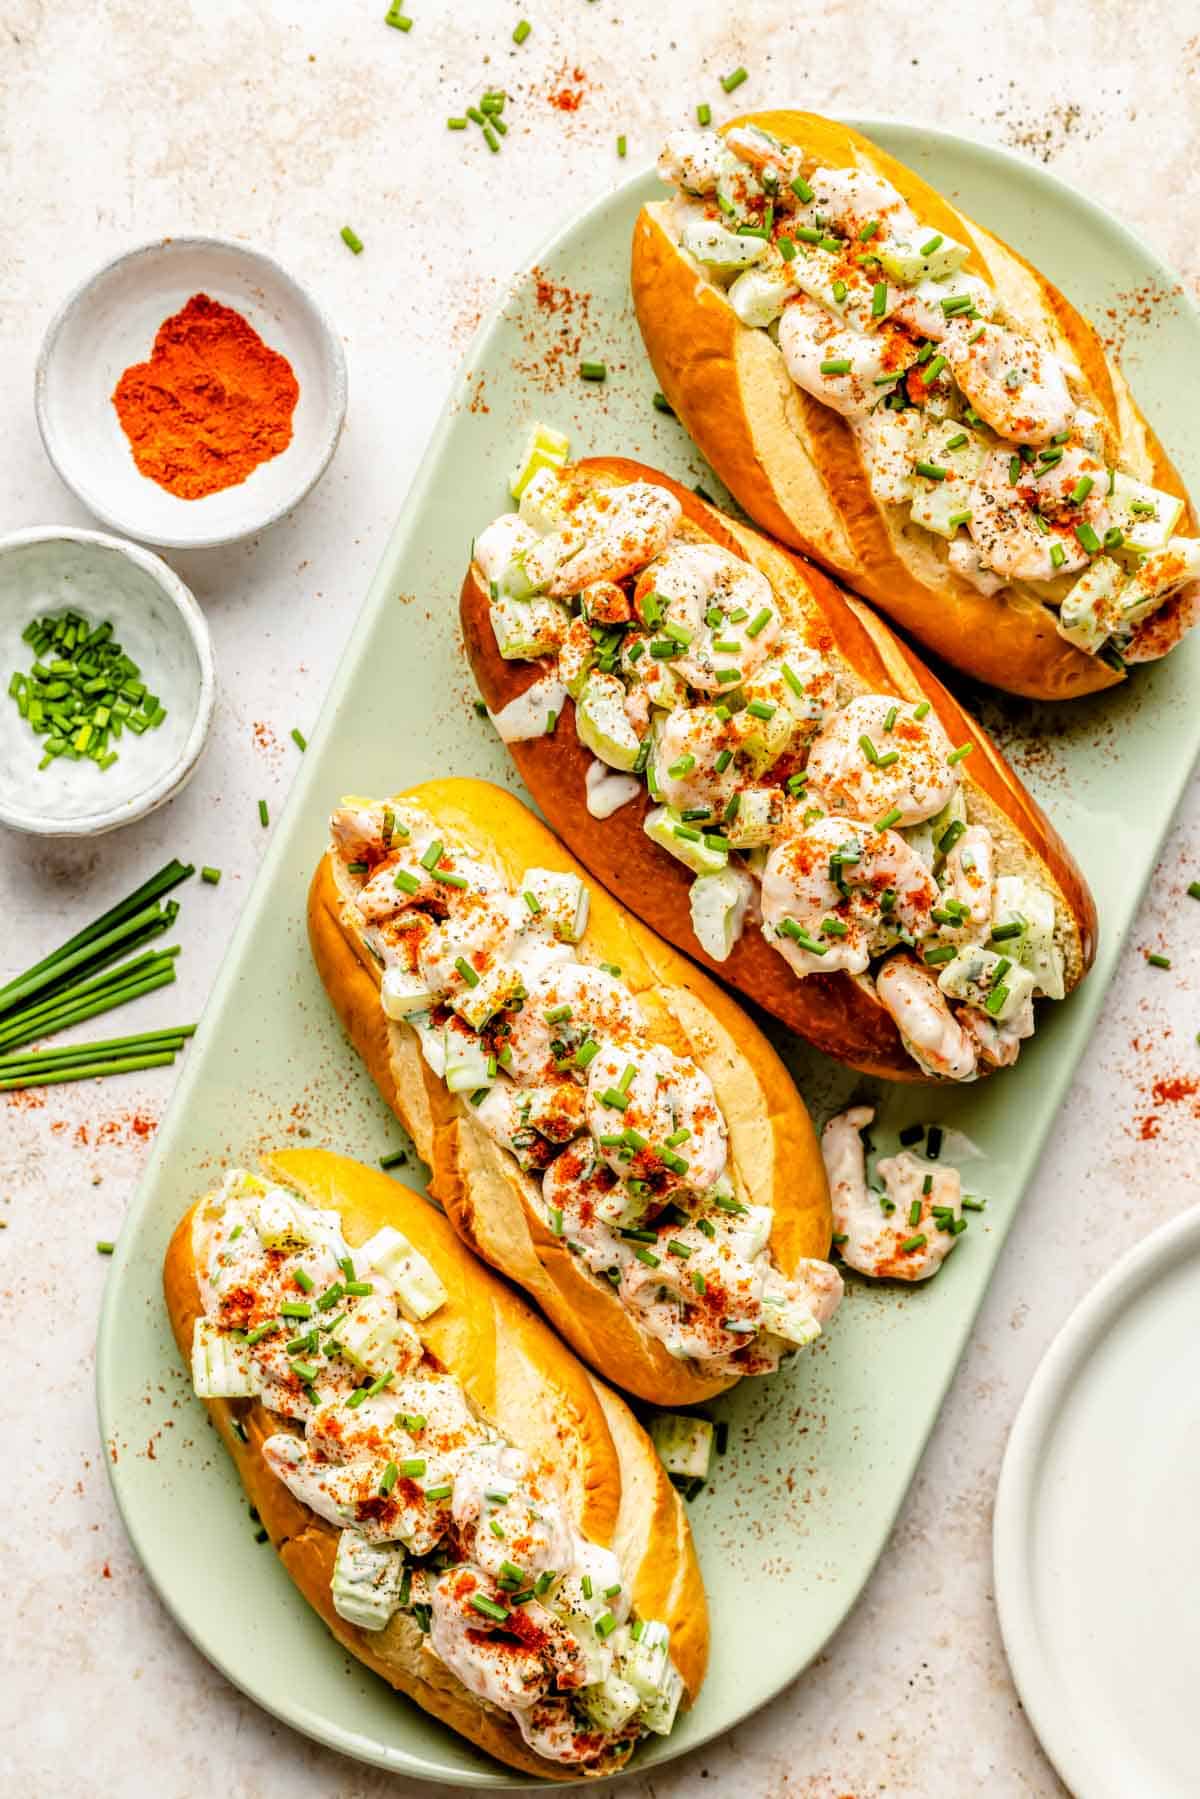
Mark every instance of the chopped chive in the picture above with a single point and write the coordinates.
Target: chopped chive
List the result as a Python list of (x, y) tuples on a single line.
[(522, 31), (1157, 961), (922, 710), (210, 876), (836, 365), (299, 739), (621, 146), (104, 1248), (351, 239), (933, 471), (733, 80), (879, 300), (888, 819), (911, 1243), (958, 755), (457, 124), (593, 371), (264, 817)]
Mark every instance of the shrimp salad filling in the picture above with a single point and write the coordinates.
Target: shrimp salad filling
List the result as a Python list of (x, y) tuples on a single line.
[(444, 1523), (832, 821), (624, 1141), (969, 427)]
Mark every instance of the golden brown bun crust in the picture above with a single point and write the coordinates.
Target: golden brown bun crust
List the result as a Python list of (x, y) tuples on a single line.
[(526, 1383), (774, 1151), (831, 1011), (794, 465)]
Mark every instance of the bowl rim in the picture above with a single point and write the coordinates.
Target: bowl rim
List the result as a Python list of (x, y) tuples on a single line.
[(179, 772), (166, 244)]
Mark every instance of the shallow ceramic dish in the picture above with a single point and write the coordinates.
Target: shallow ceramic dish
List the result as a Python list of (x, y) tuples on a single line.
[(158, 624), (1096, 1552), (110, 322), (819, 1457)]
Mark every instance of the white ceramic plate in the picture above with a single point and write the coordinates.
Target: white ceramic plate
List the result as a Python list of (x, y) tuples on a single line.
[(1097, 1542), (110, 322)]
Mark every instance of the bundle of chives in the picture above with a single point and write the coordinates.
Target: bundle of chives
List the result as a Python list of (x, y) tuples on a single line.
[(68, 985), (113, 1055)]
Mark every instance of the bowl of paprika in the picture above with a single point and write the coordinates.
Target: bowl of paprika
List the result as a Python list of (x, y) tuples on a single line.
[(191, 392)]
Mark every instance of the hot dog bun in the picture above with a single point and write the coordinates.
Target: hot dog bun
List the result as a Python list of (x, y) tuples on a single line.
[(832, 1011), (490, 1201), (795, 465), (520, 1379)]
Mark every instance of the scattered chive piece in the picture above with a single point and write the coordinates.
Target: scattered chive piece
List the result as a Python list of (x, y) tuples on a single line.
[(396, 18), (104, 1248), (958, 755), (351, 239), (394, 1158), (621, 146), (522, 31), (299, 739), (836, 365), (1157, 961), (662, 404), (932, 471), (888, 819), (911, 1243), (879, 300), (457, 124), (210, 875), (1194, 890), (264, 817), (933, 1147), (733, 80), (593, 371), (704, 113), (922, 710)]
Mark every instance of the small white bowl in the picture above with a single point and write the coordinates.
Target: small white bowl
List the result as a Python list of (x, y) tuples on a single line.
[(111, 321), (159, 625)]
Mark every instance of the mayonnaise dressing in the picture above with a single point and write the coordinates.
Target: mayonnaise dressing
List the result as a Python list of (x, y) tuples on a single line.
[(529, 715), (474, 1537), (607, 791)]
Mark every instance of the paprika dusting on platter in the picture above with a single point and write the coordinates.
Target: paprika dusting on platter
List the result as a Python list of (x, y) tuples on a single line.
[(213, 402)]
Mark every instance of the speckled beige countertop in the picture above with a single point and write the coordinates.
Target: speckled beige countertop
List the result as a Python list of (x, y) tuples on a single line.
[(279, 121)]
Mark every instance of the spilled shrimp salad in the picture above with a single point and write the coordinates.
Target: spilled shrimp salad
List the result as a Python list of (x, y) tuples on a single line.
[(971, 428), (624, 1142), (832, 821), (445, 1525)]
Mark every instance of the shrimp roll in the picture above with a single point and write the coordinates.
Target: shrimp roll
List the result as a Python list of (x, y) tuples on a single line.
[(600, 1121), (751, 761), (889, 388), (474, 1518)]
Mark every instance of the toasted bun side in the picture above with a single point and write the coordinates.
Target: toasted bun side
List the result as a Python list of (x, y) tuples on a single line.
[(796, 467), (523, 1381), (834, 1012), (774, 1155)]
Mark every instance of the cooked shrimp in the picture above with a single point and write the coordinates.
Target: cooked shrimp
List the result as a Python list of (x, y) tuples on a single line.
[(875, 1228), (477, 924), (997, 1044), (780, 163), (830, 890), (1164, 628), (1002, 525), (696, 589), (536, 1536), (964, 558), (691, 740), (921, 309), (611, 532), (839, 367), (692, 160), (586, 1003), (358, 831), (511, 1674), (871, 771), (969, 879), (931, 1034), (646, 1092), (1013, 384), (848, 199)]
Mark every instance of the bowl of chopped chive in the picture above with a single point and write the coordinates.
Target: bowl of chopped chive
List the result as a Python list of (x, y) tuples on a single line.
[(109, 683)]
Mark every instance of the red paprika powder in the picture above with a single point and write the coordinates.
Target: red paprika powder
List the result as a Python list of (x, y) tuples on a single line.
[(212, 403)]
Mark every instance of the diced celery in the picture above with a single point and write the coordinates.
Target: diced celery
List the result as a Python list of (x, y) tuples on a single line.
[(602, 723), (527, 628), (684, 1444), (665, 827), (718, 906), (750, 1231), (1090, 607), (757, 818), (562, 899), (759, 296), (892, 442), (366, 1581), (282, 1222), (546, 448), (611, 1703), (929, 254), (972, 977), (647, 1666), (1157, 576), (493, 990), (367, 1337), (418, 1285), (402, 993), (790, 1319), (724, 251), (1019, 899), (1146, 515), (937, 505), (221, 1365), (466, 1063)]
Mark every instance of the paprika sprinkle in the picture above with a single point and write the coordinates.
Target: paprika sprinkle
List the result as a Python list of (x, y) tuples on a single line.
[(211, 404)]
